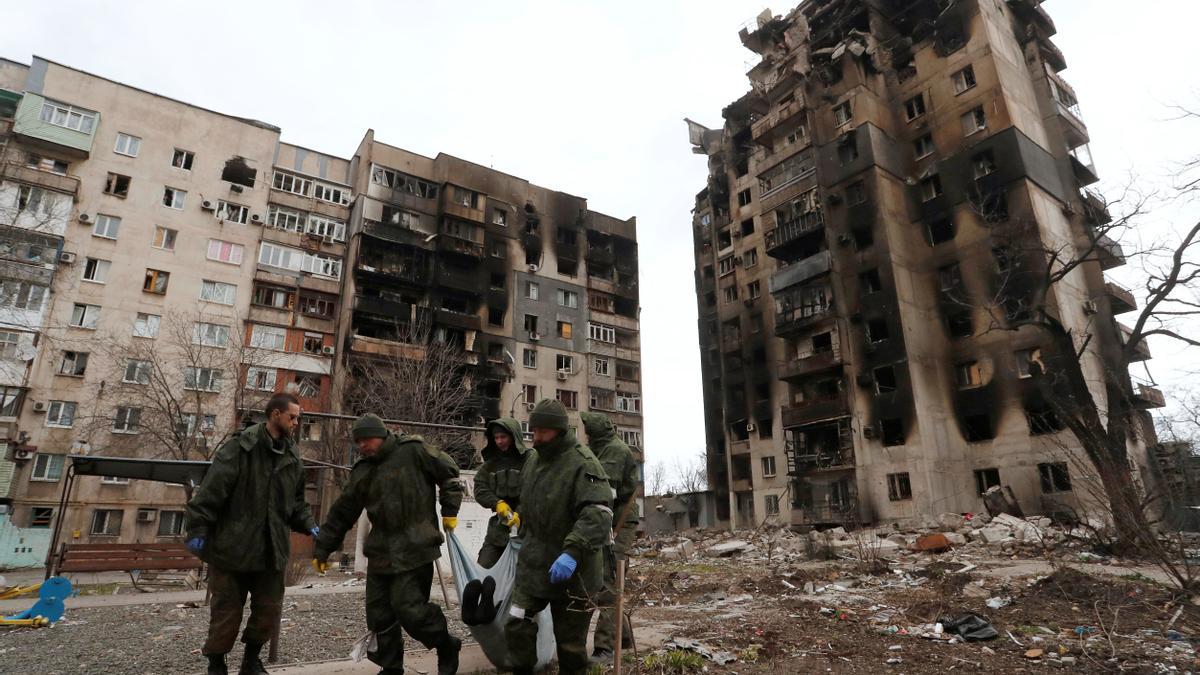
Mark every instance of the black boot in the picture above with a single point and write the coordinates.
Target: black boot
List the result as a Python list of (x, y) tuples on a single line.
[(216, 665), (448, 655), (251, 663)]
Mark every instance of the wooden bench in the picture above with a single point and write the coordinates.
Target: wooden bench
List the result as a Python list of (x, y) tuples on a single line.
[(125, 558)]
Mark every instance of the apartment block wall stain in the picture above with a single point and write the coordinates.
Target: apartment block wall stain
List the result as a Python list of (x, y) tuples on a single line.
[(319, 259), (871, 182)]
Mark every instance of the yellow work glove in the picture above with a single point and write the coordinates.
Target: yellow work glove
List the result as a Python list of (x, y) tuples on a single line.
[(449, 523), (515, 520), (503, 510), (320, 566)]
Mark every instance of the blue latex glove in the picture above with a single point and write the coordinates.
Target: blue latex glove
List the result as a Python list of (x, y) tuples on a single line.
[(562, 569), (314, 532), (195, 545)]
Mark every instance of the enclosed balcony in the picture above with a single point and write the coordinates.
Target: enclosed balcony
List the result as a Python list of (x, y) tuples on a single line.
[(1095, 209), (1141, 351), (19, 173), (1149, 397), (779, 121), (1119, 298), (458, 279), (55, 125), (1109, 252), (1083, 165), (1069, 115), (815, 410), (800, 271), (802, 367), (383, 308)]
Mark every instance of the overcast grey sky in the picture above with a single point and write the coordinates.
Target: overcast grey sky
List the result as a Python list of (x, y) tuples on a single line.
[(587, 98)]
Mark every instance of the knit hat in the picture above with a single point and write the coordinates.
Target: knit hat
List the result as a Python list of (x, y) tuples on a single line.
[(368, 426), (548, 414)]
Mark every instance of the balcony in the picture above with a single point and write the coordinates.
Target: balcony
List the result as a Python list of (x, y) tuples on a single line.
[(459, 210), (766, 129), (796, 369), (1083, 166), (446, 317), (1149, 397), (1070, 118), (600, 254), (830, 512), (739, 448), (1109, 252), (18, 173), (731, 344), (396, 234), (1031, 11), (452, 244), (72, 135), (1095, 209), (799, 272), (800, 318), (370, 346), (400, 312), (395, 269), (471, 282), (1119, 298), (792, 231), (1141, 351), (807, 412), (490, 408)]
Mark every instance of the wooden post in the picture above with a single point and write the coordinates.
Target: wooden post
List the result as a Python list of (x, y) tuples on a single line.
[(437, 565), (620, 617)]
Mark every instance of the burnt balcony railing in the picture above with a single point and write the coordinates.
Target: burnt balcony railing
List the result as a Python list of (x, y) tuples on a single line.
[(793, 229), (815, 410), (799, 368)]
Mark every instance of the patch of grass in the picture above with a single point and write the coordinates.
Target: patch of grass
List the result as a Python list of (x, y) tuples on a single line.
[(1138, 577), (1028, 630), (672, 662), (749, 654), (97, 589)]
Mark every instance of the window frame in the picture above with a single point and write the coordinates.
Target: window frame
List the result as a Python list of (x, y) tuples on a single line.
[(55, 409), (899, 487), (178, 198), (164, 238), (50, 466), (185, 164), (133, 144), (112, 223)]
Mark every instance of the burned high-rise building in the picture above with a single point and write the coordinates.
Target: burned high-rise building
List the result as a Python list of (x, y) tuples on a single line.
[(862, 260)]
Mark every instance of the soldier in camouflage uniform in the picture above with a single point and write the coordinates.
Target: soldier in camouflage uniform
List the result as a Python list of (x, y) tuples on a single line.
[(623, 475), (239, 521), (565, 497), (395, 481), (498, 485)]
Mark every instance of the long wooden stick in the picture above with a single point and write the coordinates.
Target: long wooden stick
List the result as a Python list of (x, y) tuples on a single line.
[(620, 616), (437, 565)]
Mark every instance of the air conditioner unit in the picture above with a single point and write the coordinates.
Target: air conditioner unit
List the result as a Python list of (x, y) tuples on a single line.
[(534, 336), (21, 454), (256, 219), (66, 258), (146, 515), (39, 406), (750, 428), (207, 205), (562, 374), (530, 406), (1089, 307), (85, 218), (328, 350), (234, 187), (1069, 209), (869, 432), (533, 268)]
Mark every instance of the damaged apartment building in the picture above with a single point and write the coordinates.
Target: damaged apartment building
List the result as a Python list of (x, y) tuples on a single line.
[(856, 225), (167, 268)]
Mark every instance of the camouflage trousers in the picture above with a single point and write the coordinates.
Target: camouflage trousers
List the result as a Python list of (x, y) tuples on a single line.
[(401, 601), (606, 624), (572, 613), (228, 592)]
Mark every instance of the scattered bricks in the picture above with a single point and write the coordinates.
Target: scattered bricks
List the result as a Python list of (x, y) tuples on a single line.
[(933, 543), (683, 551)]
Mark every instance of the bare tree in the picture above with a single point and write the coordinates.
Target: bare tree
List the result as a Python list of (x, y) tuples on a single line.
[(428, 380), (179, 395), (656, 481)]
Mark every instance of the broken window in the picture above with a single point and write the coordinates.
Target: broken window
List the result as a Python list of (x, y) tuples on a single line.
[(870, 282), (73, 364), (753, 290), (968, 375), (173, 198), (314, 343), (308, 385), (1026, 358), (529, 360), (234, 212), (747, 226), (978, 427), (973, 121), (983, 164), (899, 487), (877, 330), (856, 193), (749, 259), (950, 278), (842, 114), (117, 185), (892, 431), (960, 325), (963, 80), (863, 237), (182, 159), (1042, 420), (914, 107), (237, 171), (724, 239), (931, 188), (569, 399), (1056, 477), (822, 343), (270, 296), (403, 182), (885, 379), (744, 197), (940, 231), (986, 479), (994, 206), (771, 503), (847, 152), (786, 172), (923, 146), (156, 281)]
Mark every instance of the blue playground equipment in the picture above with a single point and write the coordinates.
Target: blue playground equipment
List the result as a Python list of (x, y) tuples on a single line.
[(48, 609)]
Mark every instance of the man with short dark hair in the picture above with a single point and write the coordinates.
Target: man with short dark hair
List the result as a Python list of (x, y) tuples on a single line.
[(395, 479), (239, 521)]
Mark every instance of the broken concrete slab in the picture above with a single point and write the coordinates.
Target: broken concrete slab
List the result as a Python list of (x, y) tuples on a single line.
[(727, 548), (950, 521)]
